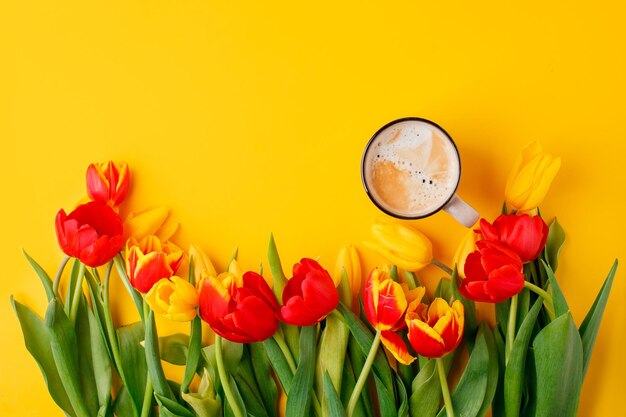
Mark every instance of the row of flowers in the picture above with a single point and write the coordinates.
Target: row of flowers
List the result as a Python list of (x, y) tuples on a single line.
[(314, 333)]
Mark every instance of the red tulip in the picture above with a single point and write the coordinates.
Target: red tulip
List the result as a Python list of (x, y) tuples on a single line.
[(437, 329), (309, 296), (493, 273), (525, 235), (108, 182), (151, 260), (92, 233), (242, 310)]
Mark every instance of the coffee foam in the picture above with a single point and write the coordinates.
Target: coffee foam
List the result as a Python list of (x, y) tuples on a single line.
[(411, 168)]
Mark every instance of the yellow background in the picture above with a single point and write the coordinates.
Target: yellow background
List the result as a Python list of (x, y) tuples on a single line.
[(251, 117)]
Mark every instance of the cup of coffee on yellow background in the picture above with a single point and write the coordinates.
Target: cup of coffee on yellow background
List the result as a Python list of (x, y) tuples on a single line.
[(411, 169)]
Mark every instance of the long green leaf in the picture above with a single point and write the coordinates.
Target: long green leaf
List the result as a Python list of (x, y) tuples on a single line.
[(170, 408), (560, 304), (205, 403), (403, 399), (279, 363), (43, 276), (65, 352), (364, 339), (153, 358), (348, 381), (386, 401), (173, 348), (37, 341), (133, 362), (469, 393), (426, 395), (333, 403), (88, 386), (558, 360), (591, 324), (101, 362), (267, 386), (515, 368), (248, 387), (493, 371), (299, 399), (554, 242), (276, 268), (193, 355), (333, 345)]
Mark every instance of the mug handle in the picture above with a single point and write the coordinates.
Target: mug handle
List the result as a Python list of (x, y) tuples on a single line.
[(461, 211)]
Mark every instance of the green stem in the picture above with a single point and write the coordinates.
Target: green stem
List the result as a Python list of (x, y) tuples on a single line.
[(110, 328), (57, 277), (230, 397), (444, 387), (547, 298), (360, 383), (510, 330), (146, 407), (77, 292), (445, 268), (280, 341)]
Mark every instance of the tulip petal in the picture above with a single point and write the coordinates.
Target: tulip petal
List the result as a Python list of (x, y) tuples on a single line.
[(396, 346), (504, 283), (425, 340)]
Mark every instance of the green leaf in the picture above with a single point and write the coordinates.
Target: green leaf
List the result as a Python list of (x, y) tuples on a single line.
[(242, 406), (205, 402), (497, 405), (279, 363), (523, 305), (170, 408), (364, 339), (153, 359), (333, 403), (426, 395), (348, 381), (554, 242), (267, 386), (299, 399), (123, 404), (247, 384), (589, 328), (133, 362), (387, 404), (37, 341), (502, 315), (444, 289), (76, 267), (333, 346), (493, 372), (193, 352), (276, 268), (403, 409), (393, 273), (515, 368), (558, 359), (560, 304), (468, 396), (173, 348), (43, 276), (101, 362), (65, 352), (88, 386)]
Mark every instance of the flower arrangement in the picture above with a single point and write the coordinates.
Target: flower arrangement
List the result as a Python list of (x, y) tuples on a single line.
[(310, 344)]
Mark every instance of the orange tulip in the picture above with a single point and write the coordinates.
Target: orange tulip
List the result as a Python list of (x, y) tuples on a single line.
[(150, 260), (108, 182), (436, 330)]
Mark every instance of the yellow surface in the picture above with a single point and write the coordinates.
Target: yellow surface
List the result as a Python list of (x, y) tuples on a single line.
[(251, 118)]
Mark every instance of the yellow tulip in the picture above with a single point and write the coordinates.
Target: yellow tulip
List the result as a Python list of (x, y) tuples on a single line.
[(174, 298), (530, 178), (154, 221), (401, 245), (467, 246), (202, 264), (348, 260)]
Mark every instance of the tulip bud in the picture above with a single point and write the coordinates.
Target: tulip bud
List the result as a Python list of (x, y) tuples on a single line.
[(467, 246), (348, 262), (401, 245), (530, 178), (202, 264), (155, 221), (108, 182), (175, 298)]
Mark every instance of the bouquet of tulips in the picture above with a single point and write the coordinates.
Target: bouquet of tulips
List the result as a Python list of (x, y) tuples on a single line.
[(312, 343)]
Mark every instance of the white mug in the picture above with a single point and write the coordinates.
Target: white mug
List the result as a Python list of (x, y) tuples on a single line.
[(411, 169)]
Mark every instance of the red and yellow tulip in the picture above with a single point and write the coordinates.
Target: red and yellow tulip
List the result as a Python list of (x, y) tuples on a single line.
[(240, 309), (436, 330), (150, 260), (108, 182)]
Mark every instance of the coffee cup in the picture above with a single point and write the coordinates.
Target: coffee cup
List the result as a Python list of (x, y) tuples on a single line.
[(411, 169)]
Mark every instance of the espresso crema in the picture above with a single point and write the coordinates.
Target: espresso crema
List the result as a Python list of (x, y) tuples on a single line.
[(411, 168)]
